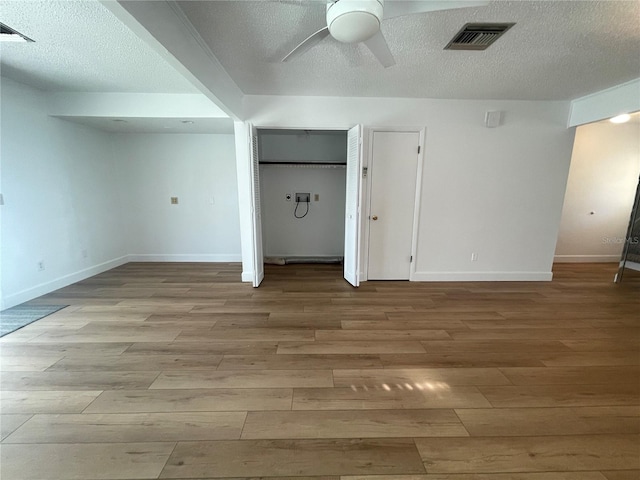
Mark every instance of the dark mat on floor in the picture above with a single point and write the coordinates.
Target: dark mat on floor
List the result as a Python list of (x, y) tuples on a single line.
[(17, 317)]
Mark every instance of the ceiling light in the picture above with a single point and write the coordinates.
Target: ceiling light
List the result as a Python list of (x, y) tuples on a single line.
[(119, 120), (352, 21), (187, 122), (625, 117), (8, 34)]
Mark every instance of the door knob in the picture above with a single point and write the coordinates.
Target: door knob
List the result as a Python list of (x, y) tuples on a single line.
[(375, 217)]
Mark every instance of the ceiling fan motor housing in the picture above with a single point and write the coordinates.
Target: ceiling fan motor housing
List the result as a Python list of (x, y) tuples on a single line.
[(353, 21)]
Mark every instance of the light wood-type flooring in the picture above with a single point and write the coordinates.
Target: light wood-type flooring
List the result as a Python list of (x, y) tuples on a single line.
[(180, 371)]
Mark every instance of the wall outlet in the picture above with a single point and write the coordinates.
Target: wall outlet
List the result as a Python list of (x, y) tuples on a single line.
[(316, 197), (474, 257), (41, 265), (174, 200), (303, 197)]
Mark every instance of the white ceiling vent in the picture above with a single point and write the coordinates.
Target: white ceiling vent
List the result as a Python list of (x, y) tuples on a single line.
[(478, 36)]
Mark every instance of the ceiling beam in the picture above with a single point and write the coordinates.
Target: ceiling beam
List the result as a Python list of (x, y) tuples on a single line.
[(624, 98), (165, 27)]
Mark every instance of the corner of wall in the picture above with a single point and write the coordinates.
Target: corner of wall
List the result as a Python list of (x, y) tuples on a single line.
[(55, 284)]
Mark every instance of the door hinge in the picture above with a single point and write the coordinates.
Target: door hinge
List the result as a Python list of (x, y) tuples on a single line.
[(411, 259), (418, 148)]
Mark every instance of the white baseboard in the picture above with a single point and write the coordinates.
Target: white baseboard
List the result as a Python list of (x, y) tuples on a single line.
[(586, 258), (212, 258), (481, 277), (55, 284)]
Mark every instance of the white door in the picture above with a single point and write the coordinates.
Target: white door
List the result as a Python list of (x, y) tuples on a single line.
[(258, 255), (352, 207), (393, 170)]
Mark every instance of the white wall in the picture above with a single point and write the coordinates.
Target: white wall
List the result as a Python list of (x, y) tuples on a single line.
[(496, 192), (301, 146), (58, 182), (83, 201), (321, 231), (198, 169), (602, 179)]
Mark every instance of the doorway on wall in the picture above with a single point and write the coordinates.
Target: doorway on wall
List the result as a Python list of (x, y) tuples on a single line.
[(601, 188), (393, 190), (630, 259), (304, 185)]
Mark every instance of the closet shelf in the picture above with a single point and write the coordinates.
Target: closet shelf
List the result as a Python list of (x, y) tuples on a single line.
[(304, 164)]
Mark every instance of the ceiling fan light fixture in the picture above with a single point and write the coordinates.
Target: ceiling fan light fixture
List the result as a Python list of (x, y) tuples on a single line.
[(353, 21), (624, 118)]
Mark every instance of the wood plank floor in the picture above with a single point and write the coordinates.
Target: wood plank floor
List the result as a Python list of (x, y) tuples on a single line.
[(180, 371)]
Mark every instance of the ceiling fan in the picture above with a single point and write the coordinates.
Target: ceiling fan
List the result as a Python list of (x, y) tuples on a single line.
[(355, 21)]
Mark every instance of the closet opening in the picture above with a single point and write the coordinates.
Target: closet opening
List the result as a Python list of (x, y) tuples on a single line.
[(302, 177)]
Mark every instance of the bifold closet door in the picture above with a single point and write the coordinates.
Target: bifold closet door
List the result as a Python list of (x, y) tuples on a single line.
[(352, 207), (258, 253)]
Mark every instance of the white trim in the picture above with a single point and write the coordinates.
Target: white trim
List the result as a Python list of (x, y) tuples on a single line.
[(243, 170), (416, 208), (247, 276), (365, 205), (211, 258), (586, 258), (303, 126), (482, 276), (65, 280)]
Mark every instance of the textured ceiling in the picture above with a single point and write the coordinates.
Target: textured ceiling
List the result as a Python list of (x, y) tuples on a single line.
[(80, 46), (558, 50)]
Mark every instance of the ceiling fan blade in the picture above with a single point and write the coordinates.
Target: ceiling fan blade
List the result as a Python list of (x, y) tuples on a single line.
[(398, 8), (309, 42), (378, 46)]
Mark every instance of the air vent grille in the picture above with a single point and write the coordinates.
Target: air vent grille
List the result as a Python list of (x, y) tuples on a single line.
[(478, 36)]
